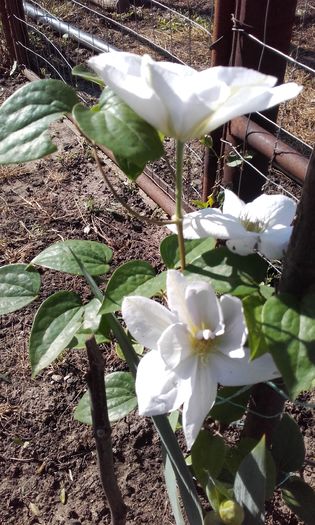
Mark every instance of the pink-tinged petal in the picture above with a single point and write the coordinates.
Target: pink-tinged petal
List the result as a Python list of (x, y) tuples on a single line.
[(274, 242), (204, 308), (235, 334), (232, 204), (146, 320), (237, 372), (244, 245), (158, 389), (175, 345), (270, 210), (196, 407), (176, 284), (210, 223)]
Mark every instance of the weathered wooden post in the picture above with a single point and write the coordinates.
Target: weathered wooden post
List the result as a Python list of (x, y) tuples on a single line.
[(14, 29)]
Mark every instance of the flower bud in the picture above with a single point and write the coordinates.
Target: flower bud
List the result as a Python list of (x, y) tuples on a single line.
[(231, 513)]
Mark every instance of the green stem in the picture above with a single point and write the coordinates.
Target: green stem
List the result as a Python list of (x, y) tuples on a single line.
[(179, 194)]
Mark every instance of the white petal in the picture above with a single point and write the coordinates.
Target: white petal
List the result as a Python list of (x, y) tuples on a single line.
[(210, 222), (237, 372), (197, 406), (274, 242), (271, 210), (247, 99), (178, 94), (158, 389), (204, 307), (146, 320), (232, 204), (244, 245), (243, 77), (175, 345), (235, 334), (124, 73), (176, 285)]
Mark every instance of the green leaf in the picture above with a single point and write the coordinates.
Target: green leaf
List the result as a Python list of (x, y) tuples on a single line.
[(193, 249), (59, 256), (300, 498), (131, 278), (230, 405), (236, 455), (253, 306), (18, 287), (250, 484), (207, 455), (131, 169), (25, 118), (55, 324), (289, 330), (120, 395), (170, 477), (87, 74), (230, 273), (93, 323), (288, 448), (115, 125), (233, 160)]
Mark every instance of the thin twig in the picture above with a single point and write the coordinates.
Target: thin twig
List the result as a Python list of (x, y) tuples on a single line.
[(123, 203), (102, 433)]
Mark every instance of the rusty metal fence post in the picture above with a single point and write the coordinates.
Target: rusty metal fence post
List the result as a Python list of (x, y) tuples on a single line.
[(270, 21), (220, 56), (14, 29)]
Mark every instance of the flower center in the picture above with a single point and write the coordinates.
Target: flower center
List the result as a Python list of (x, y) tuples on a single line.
[(252, 226), (203, 342)]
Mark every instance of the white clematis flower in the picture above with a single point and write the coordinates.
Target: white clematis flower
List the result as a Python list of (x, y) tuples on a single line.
[(197, 343), (185, 103), (263, 224)]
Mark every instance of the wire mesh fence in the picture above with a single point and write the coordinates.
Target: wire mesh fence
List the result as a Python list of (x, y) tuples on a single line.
[(60, 35)]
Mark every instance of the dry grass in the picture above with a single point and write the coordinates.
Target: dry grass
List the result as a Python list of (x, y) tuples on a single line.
[(13, 171), (297, 116)]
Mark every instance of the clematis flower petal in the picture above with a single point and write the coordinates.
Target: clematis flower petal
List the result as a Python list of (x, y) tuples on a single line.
[(146, 319), (271, 210), (127, 75), (238, 372), (210, 222), (232, 205), (204, 308), (274, 241), (174, 345), (245, 245), (176, 285), (197, 406), (184, 103), (235, 334), (252, 98), (158, 390)]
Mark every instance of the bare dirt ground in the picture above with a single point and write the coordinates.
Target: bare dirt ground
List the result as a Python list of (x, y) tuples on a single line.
[(48, 462)]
